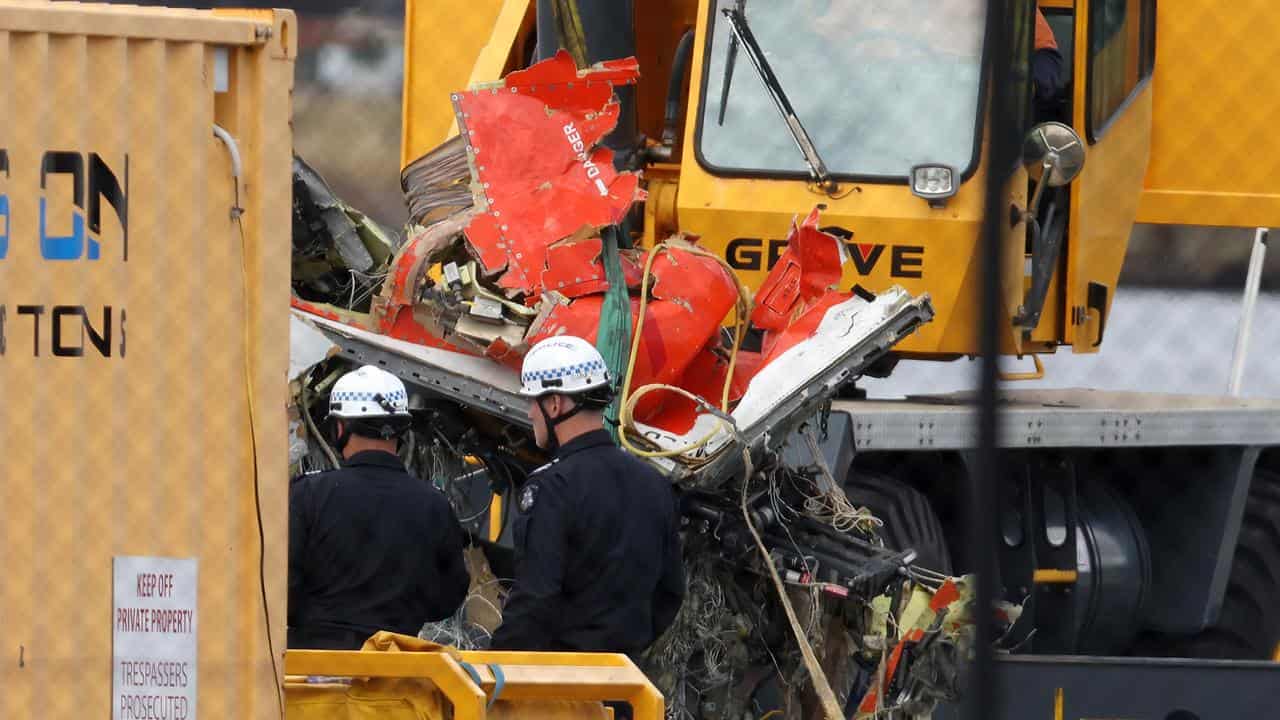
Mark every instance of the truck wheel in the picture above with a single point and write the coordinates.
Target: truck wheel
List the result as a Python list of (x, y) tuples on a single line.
[(909, 520), (1249, 626)]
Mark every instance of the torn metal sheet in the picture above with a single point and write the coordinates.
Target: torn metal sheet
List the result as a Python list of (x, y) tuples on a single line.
[(339, 253), (524, 263), (920, 651), (848, 335), (438, 184), (325, 215), (307, 345), (574, 268), (533, 141), (469, 379), (809, 268), (478, 282)]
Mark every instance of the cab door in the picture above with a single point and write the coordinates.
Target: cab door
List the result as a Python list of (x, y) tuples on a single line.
[(1114, 54)]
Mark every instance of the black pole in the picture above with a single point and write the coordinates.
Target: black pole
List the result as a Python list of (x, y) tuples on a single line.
[(982, 522), (609, 31)]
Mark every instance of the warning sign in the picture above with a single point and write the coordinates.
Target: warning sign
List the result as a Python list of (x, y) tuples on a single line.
[(153, 639)]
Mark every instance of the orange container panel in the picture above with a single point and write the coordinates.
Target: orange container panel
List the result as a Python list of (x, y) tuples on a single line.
[(143, 358)]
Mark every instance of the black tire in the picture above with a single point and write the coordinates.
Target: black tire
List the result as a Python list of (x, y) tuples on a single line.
[(1249, 626), (909, 520)]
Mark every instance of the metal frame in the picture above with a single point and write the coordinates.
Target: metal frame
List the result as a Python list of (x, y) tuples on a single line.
[(772, 430), (473, 381), (1077, 418), (1106, 687), (1146, 68), (1064, 419), (1193, 527), (1190, 559)]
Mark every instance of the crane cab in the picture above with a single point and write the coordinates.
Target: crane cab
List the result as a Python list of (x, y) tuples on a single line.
[(895, 98)]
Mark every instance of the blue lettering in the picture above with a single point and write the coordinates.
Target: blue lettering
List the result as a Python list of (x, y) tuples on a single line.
[(63, 247), (4, 213), (4, 223), (86, 219)]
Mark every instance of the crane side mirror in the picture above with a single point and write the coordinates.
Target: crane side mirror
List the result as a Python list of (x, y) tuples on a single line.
[(1053, 154)]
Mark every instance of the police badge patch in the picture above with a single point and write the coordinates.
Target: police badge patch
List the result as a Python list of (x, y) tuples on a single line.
[(527, 496)]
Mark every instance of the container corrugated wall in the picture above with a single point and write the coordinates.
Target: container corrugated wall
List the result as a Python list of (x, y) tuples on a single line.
[(140, 321)]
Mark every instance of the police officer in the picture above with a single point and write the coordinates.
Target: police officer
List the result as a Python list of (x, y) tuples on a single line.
[(598, 566), (370, 547)]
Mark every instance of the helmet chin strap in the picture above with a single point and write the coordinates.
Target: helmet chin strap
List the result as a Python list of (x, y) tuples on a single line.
[(343, 436), (387, 430), (553, 442)]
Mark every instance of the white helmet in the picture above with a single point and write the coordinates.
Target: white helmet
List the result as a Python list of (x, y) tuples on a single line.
[(368, 392), (565, 365)]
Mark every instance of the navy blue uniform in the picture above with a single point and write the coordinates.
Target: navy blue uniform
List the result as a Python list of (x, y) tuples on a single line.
[(370, 548), (598, 566)]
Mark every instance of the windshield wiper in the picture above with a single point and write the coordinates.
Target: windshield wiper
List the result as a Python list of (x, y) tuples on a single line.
[(742, 33), (730, 59)]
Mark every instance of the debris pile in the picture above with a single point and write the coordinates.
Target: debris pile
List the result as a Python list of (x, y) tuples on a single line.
[(340, 255), (526, 257), (794, 604)]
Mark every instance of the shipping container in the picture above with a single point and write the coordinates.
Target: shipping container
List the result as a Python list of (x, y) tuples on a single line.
[(144, 291)]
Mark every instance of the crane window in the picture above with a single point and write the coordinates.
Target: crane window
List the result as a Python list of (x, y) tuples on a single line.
[(880, 86), (1121, 56)]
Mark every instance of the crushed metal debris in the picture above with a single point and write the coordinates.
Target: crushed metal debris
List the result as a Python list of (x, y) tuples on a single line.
[(505, 247)]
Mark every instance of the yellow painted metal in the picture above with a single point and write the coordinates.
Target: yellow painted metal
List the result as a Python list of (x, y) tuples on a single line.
[(659, 25), (883, 218), (1036, 374), (378, 699), (662, 183), (746, 220), (118, 455), (1054, 577), (1104, 199), (1213, 149), (528, 677), (198, 26), (440, 668), (495, 517), (1169, 119), (448, 46)]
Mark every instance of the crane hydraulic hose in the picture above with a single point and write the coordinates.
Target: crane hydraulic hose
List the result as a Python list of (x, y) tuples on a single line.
[(742, 314)]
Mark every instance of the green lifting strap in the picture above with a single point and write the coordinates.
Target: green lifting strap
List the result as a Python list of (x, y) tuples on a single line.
[(613, 339)]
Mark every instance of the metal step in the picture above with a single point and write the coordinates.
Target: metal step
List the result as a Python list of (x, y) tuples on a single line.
[(1064, 419), (1076, 688)]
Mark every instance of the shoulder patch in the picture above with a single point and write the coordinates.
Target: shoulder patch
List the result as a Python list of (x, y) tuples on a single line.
[(307, 474), (528, 494)]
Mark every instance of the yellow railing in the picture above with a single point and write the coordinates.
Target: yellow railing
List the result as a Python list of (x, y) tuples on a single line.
[(526, 677)]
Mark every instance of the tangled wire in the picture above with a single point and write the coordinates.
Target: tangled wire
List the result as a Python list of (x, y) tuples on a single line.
[(458, 630), (705, 648)]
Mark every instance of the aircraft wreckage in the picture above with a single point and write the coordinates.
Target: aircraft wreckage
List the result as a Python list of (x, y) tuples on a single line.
[(794, 603)]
